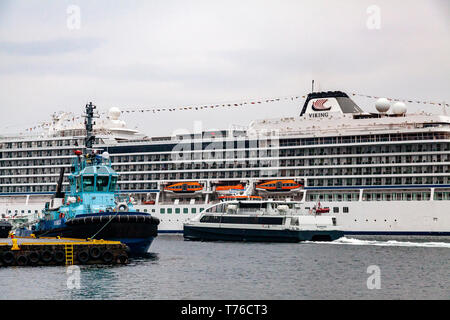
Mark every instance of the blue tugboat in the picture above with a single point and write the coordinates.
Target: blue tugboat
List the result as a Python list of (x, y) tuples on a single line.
[(93, 208)]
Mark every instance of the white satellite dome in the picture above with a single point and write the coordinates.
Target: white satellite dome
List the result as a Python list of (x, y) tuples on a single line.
[(399, 108), (382, 105), (114, 113)]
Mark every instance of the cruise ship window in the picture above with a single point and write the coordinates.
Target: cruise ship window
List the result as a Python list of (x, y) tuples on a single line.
[(185, 210), (194, 210), (169, 210), (336, 210), (162, 211), (177, 210)]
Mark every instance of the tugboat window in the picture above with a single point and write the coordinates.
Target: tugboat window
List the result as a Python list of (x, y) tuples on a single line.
[(102, 183), (88, 184), (112, 187)]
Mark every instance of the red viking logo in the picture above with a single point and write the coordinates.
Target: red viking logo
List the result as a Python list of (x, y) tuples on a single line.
[(318, 105)]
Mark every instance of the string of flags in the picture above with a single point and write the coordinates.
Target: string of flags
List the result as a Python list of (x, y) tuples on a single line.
[(442, 104), (213, 106), (228, 104)]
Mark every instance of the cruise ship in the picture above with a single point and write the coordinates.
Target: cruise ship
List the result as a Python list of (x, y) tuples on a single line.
[(384, 172)]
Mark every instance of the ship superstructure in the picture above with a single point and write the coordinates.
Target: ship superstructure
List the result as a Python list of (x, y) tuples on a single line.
[(386, 172)]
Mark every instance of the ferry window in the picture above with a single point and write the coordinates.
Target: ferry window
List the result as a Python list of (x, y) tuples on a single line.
[(169, 210), (102, 183), (194, 210), (88, 184), (162, 211), (112, 187), (177, 210), (185, 210), (345, 210), (153, 210), (336, 210)]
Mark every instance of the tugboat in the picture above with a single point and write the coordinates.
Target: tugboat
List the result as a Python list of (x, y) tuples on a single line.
[(5, 228), (260, 221), (93, 208)]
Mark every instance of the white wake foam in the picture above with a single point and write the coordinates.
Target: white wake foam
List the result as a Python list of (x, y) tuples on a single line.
[(388, 243)]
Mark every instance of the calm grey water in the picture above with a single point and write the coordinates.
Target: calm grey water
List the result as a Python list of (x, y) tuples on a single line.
[(177, 269)]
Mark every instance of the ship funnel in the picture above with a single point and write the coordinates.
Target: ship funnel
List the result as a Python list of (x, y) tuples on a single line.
[(324, 104)]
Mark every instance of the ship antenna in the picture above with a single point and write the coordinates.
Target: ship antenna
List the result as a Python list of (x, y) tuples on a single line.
[(312, 89), (90, 138)]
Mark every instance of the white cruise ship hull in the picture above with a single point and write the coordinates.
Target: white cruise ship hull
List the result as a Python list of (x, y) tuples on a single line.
[(363, 217)]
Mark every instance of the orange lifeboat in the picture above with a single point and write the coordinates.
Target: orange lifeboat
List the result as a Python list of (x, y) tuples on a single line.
[(240, 198), (229, 189), (184, 187), (279, 186)]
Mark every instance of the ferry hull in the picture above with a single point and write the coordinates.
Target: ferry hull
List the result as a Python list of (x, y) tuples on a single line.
[(258, 235)]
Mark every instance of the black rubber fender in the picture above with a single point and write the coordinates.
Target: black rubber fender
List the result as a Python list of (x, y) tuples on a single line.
[(83, 256), (107, 256), (22, 260), (34, 257), (123, 258), (8, 258), (46, 256), (60, 256), (95, 253)]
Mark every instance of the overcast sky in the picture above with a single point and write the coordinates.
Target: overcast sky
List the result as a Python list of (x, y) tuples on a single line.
[(174, 53)]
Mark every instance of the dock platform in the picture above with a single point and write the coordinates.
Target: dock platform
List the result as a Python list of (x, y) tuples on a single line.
[(29, 251)]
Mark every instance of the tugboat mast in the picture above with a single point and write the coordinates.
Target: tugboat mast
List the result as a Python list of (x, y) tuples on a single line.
[(90, 138)]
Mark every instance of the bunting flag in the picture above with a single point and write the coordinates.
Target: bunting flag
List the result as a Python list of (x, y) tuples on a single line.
[(228, 105), (206, 107), (442, 104)]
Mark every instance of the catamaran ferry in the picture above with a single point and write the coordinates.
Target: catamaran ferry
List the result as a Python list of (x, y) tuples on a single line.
[(386, 172)]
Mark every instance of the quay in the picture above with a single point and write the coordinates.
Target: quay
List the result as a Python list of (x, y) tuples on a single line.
[(30, 251)]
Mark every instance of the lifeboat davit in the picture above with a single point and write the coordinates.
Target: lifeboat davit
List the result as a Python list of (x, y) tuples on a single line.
[(229, 189), (184, 188), (279, 186)]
